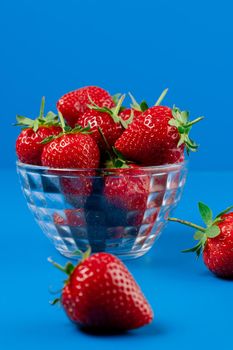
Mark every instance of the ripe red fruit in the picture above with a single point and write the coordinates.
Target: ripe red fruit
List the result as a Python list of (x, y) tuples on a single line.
[(127, 113), (215, 241), (110, 129), (28, 144), (106, 125), (158, 136), (128, 189), (73, 104), (101, 294), (71, 150)]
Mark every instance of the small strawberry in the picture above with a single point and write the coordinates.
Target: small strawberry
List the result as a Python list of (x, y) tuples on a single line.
[(28, 144), (215, 241), (101, 294), (158, 136), (106, 119), (73, 104)]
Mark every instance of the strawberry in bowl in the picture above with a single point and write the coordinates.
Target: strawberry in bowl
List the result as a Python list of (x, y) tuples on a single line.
[(104, 175)]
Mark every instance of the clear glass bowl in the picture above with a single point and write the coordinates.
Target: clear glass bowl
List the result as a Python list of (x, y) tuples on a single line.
[(77, 208)]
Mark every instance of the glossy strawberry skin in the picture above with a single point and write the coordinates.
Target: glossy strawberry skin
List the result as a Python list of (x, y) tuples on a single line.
[(111, 130), (28, 144), (218, 251), (126, 113), (128, 189), (150, 140), (71, 151), (102, 294), (73, 104)]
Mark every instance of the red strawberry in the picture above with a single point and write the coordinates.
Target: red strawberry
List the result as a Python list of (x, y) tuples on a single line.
[(157, 137), (28, 144), (73, 150), (215, 241), (108, 120), (101, 294), (127, 113), (126, 187), (73, 104)]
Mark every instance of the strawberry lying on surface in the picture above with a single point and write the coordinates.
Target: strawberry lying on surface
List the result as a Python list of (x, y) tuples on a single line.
[(158, 136), (75, 103), (215, 241), (101, 294), (28, 144)]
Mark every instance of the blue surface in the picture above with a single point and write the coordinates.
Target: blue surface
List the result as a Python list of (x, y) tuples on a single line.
[(191, 306), (51, 47)]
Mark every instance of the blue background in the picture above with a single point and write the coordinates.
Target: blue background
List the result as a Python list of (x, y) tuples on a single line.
[(51, 47)]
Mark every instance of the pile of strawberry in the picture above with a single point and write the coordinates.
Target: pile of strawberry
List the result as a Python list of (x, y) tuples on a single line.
[(95, 130)]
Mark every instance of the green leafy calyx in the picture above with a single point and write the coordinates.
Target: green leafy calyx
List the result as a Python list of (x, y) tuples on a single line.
[(181, 121), (113, 112), (141, 107), (201, 234), (69, 267), (50, 119)]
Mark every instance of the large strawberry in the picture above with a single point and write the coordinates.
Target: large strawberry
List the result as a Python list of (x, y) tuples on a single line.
[(28, 144), (215, 240), (101, 294), (158, 136), (73, 104), (106, 119), (73, 149)]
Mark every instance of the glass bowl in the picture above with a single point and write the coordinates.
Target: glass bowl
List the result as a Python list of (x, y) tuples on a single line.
[(122, 213)]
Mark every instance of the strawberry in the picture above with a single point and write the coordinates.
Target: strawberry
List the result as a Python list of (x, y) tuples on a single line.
[(126, 187), (215, 240), (106, 119), (157, 137), (73, 149), (73, 104), (127, 113), (101, 294), (28, 144)]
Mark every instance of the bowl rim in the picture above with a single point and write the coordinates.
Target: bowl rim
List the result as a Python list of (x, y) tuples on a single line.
[(165, 167)]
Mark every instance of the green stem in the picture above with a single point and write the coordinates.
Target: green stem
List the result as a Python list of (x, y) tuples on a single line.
[(63, 125), (193, 122), (187, 223), (58, 266), (41, 115), (161, 97)]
